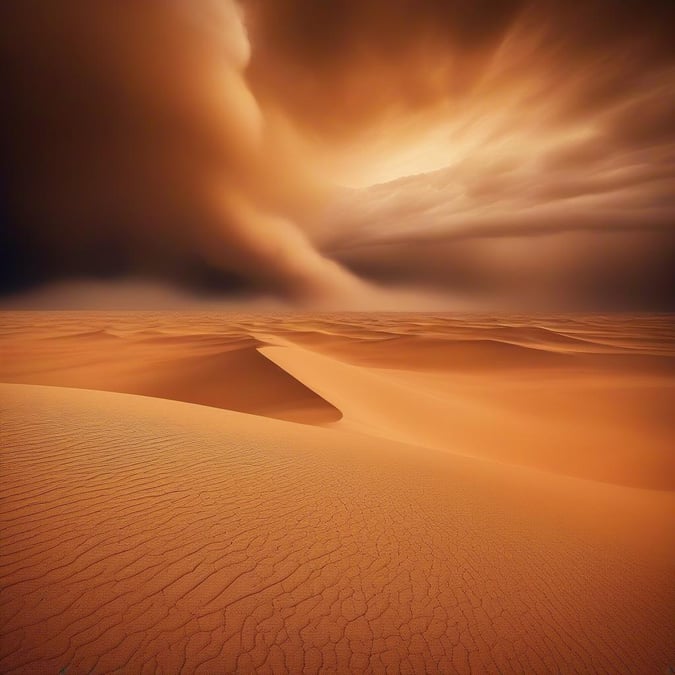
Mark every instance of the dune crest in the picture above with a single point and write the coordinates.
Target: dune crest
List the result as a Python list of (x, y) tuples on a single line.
[(219, 371)]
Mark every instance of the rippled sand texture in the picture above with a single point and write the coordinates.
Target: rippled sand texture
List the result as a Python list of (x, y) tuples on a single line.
[(336, 493)]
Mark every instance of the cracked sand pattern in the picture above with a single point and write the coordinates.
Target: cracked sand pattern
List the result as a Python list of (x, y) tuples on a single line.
[(143, 535)]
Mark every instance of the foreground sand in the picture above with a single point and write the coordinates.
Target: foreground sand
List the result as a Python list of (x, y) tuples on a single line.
[(141, 534)]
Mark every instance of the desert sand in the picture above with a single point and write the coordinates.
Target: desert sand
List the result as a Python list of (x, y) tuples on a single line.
[(336, 493)]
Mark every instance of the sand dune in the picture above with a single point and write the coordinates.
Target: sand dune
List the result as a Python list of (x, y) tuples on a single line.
[(463, 494), (568, 425), (203, 369), (155, 536), (485, 348)]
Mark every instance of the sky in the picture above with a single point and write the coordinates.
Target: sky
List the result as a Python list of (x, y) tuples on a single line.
[(413, 154)]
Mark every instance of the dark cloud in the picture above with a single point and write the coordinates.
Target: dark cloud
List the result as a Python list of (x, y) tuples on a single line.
[(576, 230), (338, 63), (133, 144), (583, 270), (163, 140)]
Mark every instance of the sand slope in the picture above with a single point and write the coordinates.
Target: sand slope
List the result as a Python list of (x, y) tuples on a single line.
[(616, 427), (462, 494), (144, 535), (217, 370)]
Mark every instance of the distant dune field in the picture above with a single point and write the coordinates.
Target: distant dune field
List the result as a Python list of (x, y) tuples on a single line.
[(336, 493)]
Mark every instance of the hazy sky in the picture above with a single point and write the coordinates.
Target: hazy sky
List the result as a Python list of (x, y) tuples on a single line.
[(489, 154)]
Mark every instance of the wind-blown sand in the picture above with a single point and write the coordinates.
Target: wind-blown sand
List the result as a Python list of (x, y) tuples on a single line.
[(430, 514)]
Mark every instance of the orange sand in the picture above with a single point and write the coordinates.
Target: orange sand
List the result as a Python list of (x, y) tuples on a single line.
[(462, 495)]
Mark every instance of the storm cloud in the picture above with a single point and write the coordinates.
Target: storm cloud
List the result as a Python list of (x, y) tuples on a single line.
[(135, 145), (508, 151)]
